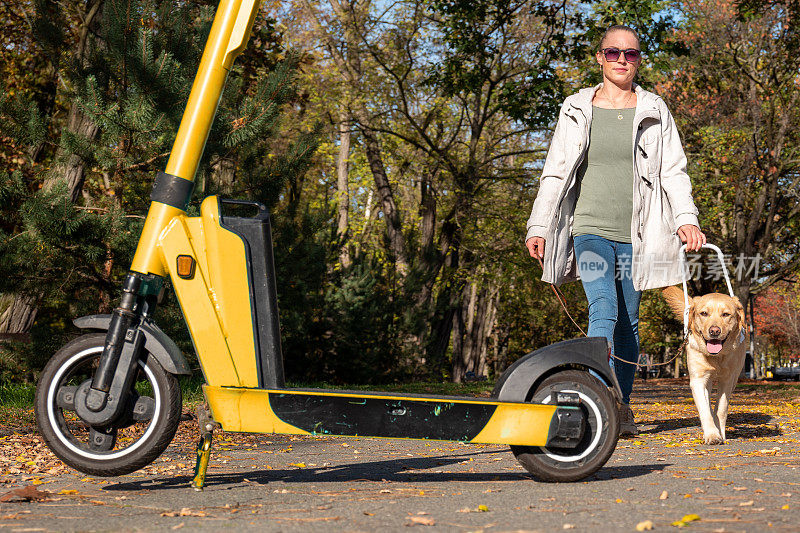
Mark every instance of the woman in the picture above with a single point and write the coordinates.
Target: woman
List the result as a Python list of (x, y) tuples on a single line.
[(614, 202)]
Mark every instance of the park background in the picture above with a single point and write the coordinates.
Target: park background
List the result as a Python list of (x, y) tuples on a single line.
[(398, 147)]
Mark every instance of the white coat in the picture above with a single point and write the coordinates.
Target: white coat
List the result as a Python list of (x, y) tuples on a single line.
[(662, 192)]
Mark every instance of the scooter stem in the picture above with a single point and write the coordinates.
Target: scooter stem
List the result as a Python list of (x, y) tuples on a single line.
[(228, 37)]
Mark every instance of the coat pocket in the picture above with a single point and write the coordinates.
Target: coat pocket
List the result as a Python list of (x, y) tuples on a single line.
[(644, 168), (650, 158)]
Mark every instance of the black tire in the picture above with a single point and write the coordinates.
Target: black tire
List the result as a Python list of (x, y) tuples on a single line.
[(135, 443), (599, 440)]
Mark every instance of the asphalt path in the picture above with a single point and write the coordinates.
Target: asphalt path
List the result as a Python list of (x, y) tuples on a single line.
[(285, 483)]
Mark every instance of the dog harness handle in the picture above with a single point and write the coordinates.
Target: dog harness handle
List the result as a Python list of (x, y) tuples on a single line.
[(685, 273)]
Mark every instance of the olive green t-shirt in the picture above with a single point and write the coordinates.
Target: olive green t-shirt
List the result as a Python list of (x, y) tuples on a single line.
[(605, 178)]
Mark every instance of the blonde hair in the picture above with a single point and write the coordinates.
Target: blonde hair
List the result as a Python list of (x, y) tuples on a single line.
[(619, 27)]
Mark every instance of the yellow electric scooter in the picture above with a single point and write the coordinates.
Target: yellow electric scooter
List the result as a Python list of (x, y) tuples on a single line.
[(108, 403)]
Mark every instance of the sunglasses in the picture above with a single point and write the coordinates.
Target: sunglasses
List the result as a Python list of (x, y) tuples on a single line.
[(632, 55)]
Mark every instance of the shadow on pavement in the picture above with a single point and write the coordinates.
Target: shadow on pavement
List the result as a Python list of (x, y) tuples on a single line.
[(397, 470), (742, 425)]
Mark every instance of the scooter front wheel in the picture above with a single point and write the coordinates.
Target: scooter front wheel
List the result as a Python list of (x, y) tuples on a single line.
[(599, 438), (143, 431)]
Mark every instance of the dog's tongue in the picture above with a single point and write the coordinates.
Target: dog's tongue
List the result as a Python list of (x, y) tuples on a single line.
[(714, 346)]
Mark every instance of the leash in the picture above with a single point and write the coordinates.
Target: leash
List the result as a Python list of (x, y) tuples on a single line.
[(686, 292), (563, 301)]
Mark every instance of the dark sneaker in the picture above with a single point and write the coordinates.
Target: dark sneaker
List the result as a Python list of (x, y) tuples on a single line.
[(627, 426)]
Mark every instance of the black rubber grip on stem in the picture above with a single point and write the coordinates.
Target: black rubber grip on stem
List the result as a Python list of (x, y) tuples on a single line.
[(172, 190)]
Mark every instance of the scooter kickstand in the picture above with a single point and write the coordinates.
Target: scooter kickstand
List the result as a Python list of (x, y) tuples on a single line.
[(207, 426)]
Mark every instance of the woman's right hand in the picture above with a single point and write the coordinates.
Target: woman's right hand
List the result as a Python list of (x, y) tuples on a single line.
[(536, 247)]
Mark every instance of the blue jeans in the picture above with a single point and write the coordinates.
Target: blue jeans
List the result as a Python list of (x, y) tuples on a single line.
[(605, 270)]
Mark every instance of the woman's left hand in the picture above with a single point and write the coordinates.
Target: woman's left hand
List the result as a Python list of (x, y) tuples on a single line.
[(692, 236)]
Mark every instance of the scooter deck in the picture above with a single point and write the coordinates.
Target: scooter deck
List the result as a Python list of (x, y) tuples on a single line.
[(390, 415)]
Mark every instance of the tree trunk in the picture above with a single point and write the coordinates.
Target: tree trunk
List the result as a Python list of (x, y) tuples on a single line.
[(394, 229), (18, 317), (480, 330), (459, 364), (753, 350), (446, 308), (343, 191), (223, 174), (464, 316), (17, 314), (71, 168), (472, 331)]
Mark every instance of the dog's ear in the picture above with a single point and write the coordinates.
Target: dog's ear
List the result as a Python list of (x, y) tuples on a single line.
[(740, 313), (674, 297)]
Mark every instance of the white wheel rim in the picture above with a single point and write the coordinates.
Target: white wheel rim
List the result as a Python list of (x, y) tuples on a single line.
[(593, 406), (51, 414)]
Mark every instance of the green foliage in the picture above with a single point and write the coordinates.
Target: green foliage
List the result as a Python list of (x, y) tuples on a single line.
[(130, 83), (339, 327), (461, 97), (25, 123), (655, 21), (469, 33), (474, 36), (19, 395)]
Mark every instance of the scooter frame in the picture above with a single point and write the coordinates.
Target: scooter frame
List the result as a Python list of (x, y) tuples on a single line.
[(221, 267)]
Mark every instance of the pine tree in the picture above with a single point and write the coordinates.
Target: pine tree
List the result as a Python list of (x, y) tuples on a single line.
[(69, 221)]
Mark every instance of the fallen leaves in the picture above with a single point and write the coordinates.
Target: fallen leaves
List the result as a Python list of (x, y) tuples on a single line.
[(422, 520), (720, 469), (186, 511), (28, 493), (770, 451), (479, 509), (686, 520)]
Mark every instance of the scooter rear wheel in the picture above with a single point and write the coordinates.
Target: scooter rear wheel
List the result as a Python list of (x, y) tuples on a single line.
[(141, 434), (599, 440)]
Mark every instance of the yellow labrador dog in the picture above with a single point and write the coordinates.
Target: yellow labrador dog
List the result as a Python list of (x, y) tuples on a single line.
[(715, 353)]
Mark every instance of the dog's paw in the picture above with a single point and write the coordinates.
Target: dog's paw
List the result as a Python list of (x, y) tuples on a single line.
[(713, 438)]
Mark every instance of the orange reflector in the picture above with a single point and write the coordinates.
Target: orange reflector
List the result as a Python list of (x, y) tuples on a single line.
[(185, 266)]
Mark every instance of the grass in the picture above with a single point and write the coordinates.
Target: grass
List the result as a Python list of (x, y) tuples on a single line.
[(783, 389), (19, 395), (192, 392)]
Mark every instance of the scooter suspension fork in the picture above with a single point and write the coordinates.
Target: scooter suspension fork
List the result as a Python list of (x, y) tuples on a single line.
[(121, 320), (99, 401)]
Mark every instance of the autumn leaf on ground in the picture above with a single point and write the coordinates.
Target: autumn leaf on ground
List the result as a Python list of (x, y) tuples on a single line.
[(422, 520), (646, 525), (184, 512), (25, 494), (683, 522)]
